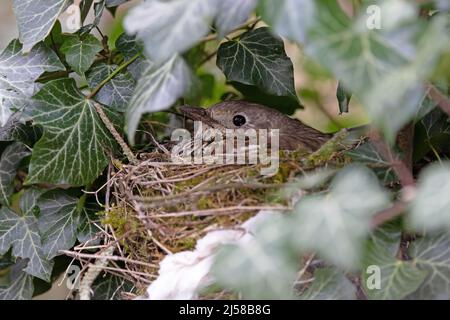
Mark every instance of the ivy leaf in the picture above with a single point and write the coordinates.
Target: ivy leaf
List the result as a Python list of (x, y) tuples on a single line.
[(398, 278), (58, 221), (114, 3), (80, 51), (158, 88), (9, 162), (85, 7), (290, 18), (110, 287), (169, 27), (430, 209), (432, 255), (336, 224), (87, 228), (129, 47), (233, 13), (21, 232), (117, 92), (75, 142), (258, 59), (36, 18), (368, 154), (16, 130), (20, 287), (330, 284), (18, 73), (99, 7)]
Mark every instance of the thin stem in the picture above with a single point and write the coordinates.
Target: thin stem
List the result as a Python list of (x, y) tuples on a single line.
[(125, 148), (112, 75)]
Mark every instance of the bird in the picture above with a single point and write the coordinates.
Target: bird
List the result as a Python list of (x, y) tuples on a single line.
[(236, 114)]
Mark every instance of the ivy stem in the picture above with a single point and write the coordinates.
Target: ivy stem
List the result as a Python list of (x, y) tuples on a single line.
[(125, 148), (112, 75)]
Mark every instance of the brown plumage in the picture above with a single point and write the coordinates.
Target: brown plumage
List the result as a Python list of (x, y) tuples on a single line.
[(294, 134)]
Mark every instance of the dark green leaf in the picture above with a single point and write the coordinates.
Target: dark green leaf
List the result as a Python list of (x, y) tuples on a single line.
[(85, 7), (258, 59), (9, 162), (20, 288), (368, 154), (110, 287), (330, 284), (432, 255), (80, 52), (58, 221), (397, 278), (73, 149), (18, 73), (22, 233), (117, 92), (129, 47), (98, 12), (36, 18)]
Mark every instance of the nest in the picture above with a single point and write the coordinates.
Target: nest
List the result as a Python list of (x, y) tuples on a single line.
[(157, 207)]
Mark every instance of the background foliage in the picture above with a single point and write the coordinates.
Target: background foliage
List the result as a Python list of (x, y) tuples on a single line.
[(56, 88)]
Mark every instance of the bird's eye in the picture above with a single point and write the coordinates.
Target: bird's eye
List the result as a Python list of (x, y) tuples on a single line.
[(239, 120)]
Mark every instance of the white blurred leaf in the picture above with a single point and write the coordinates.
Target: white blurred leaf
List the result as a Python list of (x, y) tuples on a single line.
[(169, 27), (335, 224), (158, 88), (430, 209)]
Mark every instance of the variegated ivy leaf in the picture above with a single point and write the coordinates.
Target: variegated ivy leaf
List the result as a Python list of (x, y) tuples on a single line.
[(158, 88), (432, 255), (232, 13), (110, 287), (384, 276), (20, 286), (430, 210), (36, 19), (330, 284), (80, 51), (59, 219), (99, 7), (337, 223), (117, 92), (9, 162), (129, 47), (87, 226), (169, 27), (258, 59), (21, 232), (16, 130), (73, 149), (18, 73), (368, 154)]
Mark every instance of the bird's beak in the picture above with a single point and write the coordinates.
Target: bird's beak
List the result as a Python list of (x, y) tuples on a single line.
[(194, 113), (200, 114)]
